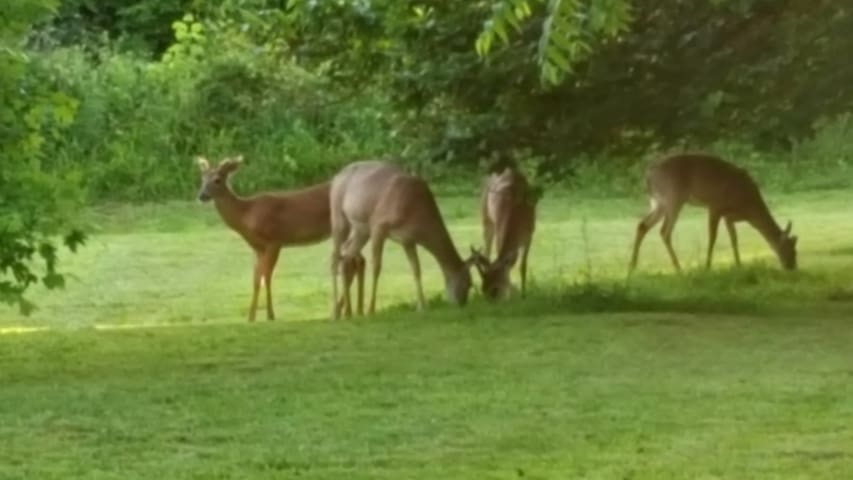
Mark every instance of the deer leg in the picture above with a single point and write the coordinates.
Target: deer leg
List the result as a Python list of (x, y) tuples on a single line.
[(335, 260), (271, 258), (256, 285), (412, 254), (378, 243), (351, 254), (344, 302), (643, 227), (666, 234), (713, 224), (523, 268), (488, 237), (730, 226), (353, 268), (360, 266)]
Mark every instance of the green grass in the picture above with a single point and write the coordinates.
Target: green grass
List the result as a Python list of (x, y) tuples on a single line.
[(733, 373), (176, 263)]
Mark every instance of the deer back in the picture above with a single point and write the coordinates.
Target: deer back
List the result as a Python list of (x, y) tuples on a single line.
[(292, 218), (706, 180)]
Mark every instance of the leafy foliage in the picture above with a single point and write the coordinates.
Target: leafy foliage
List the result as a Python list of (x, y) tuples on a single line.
[(35, 203), (569, 30), (684, 74), (227, 83), (305, 85)]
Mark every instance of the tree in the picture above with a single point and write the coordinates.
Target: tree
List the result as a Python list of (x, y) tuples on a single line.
[(35, 204), (618, 74), (570, 30)]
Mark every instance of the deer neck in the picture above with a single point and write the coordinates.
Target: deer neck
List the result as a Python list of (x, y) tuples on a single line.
[(441, 247), (232, 209), (766, 225)]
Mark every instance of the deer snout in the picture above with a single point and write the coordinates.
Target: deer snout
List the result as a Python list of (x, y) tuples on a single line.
[(203, 196)]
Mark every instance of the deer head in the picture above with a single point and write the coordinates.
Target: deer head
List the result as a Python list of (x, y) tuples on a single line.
[(494, 275), (786, 248), (458, 286), (214, 181)]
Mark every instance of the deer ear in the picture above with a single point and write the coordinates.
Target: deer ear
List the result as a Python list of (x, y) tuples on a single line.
[(228, 165), (476, 259), (472, 262), (202, 163), (788, 228)]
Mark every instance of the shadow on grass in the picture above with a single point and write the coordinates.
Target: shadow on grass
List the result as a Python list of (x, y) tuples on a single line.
[(846, 251), (755, 290)]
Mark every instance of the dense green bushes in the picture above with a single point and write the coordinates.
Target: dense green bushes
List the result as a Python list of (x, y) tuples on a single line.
[(299, 98), (140, 122)]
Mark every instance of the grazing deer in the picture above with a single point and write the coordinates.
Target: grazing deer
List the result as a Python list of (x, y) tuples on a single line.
[(725, 190), (508, 210), (270, 221), (376, 200)]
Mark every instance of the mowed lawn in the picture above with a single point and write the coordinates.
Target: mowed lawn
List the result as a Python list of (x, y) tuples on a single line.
[(736, 373)]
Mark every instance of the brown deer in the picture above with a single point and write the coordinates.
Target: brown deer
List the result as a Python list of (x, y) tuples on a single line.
[(270, 221), (508, 211), (725, 190), (376, 200)]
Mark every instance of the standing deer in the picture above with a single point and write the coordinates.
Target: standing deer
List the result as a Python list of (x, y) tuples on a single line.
[(725, 190), (508, 211), (376, 200), (270, 221)]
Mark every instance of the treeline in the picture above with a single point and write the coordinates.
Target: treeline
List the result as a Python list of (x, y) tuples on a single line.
[(302, 86)]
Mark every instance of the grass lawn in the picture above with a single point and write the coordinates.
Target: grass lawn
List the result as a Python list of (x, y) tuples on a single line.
[(734, 373)]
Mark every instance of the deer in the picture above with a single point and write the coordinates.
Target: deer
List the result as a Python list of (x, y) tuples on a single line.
[(374, 200), (270, 221), (727, 191), (508, 213)]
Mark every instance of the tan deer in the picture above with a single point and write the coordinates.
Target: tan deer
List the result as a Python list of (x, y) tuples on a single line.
[(375, 200), (270, 221), (508, 212), (725, 190)]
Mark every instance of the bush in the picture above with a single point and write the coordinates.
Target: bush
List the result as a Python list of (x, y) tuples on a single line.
[(140, 122), (229, 84), (37, 203)]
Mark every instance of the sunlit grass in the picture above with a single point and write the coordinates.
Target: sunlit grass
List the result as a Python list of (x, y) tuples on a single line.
[(177, 263), (729, 373)]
